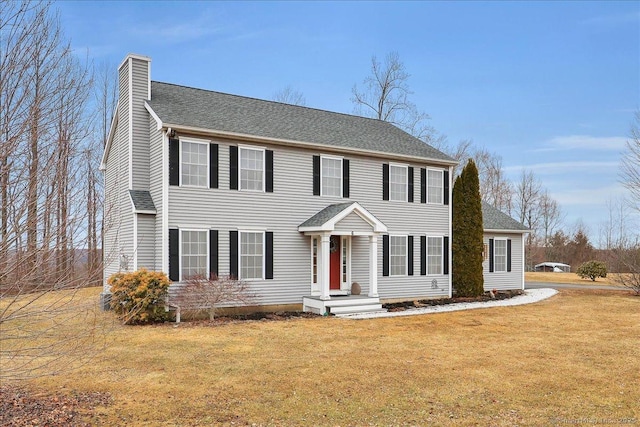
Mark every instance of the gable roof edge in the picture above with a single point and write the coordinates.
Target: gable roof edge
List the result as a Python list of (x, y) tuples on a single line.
[(110, 135)]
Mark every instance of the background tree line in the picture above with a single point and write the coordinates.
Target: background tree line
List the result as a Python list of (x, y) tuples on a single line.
[(385, 95)]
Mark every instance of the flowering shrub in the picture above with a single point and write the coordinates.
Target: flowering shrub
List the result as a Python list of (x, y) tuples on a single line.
[(139, 297)]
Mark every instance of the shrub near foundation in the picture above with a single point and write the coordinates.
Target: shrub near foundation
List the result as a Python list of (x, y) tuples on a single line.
[(139, 297)]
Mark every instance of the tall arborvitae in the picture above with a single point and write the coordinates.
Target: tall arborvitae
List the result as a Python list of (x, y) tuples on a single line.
[(467, 233)]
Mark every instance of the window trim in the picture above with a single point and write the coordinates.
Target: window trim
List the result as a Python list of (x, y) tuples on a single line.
[(341, 159), (406, 255), (441, 172), (441, 238), (345, 262), (406, 183), (194, 141), (506, 254), (207, 255), (245, 231), (314, 260), (264, 168)]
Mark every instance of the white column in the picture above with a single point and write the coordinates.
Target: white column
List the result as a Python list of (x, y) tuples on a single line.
[(323, 267), (373, 266)]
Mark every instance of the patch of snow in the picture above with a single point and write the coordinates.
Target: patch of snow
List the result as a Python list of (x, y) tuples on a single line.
[(530, 296)]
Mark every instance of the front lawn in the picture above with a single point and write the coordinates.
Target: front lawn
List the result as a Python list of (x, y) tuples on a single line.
[(572, 357)]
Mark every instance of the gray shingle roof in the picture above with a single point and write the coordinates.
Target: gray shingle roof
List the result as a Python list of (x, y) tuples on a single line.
[(185, 106), (142, 200), (494, 219), (325, 214)]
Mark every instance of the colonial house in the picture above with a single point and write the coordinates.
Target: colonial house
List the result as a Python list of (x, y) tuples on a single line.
[(299, 203)]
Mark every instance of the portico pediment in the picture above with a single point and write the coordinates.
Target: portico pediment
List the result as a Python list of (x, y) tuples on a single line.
[(344, 217)]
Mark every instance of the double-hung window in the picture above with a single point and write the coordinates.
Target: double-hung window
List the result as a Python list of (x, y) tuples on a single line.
[(331, 176), (251, 169), (251, 255), (500, 255), (194, 254), (194, 163), (434, 186), (398, 183), (434, 255), (398, 255)]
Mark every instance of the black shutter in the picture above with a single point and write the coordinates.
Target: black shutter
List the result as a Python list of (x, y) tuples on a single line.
[(410, 186), (268, 254), (268, 154), (490, 255), (233, 254), (423, 185), (410, 255), (385, 181), (345, 178), (423, 255), (316, 175), (233, 167), (174, 254), (213, 165), (174, 161), (445, 185), (385, 255), (508, 254), (445, 255), (213, 254)]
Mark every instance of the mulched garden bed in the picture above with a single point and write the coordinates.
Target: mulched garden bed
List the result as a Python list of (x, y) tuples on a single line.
[(259, 316), (404, 305), (21, 407)]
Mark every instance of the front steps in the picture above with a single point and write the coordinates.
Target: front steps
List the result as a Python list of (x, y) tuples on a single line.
[(339, 305)]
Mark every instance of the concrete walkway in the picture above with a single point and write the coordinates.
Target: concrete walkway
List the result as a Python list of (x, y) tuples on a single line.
[(530, 296)]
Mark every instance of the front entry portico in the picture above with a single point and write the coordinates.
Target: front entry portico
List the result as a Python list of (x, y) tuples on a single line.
[(333, 233)]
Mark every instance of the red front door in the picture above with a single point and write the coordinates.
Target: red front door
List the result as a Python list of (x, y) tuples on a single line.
[(334, 263)]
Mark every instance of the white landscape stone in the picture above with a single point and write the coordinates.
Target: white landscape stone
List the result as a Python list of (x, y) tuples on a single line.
[(530, 296)]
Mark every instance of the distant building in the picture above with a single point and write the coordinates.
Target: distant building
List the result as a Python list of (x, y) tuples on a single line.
[(555, 267)]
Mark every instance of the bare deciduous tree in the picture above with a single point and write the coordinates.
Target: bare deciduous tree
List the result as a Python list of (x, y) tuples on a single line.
[(203, 294), (630, 170), (386, 96), (550, 217), (44, 128), (289, 95)]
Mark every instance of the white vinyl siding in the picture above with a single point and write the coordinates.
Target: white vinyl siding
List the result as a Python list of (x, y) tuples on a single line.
[(294, 203), (251, 255), (251, 169), (434, 255), (194, 163), (398, 255), (398, 183), (331, 176), (193, 253), (434, 186), (500, 255)]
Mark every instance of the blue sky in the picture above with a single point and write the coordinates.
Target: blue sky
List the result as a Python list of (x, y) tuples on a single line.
[(549, 86)]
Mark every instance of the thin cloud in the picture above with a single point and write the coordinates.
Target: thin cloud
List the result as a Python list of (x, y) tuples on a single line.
[(562, 167), (177, 33), (583, 142), (587, 196)]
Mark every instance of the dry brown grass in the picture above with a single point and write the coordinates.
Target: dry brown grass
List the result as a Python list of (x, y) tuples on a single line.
[(571, 278), (572, 357)]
